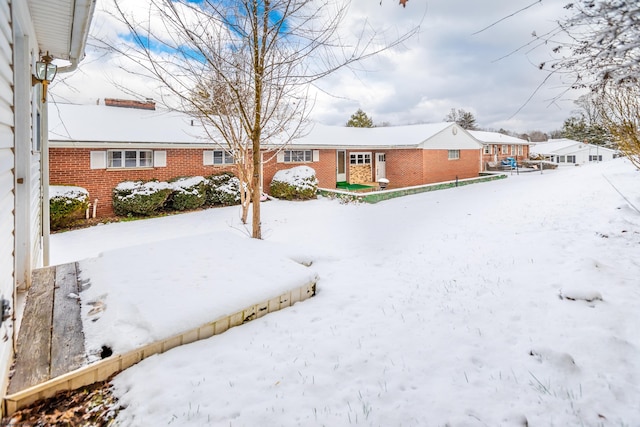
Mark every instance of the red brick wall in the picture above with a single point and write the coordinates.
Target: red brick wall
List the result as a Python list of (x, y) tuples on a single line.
[(71, 166), (325, 168), (404, 168), (438, 167)]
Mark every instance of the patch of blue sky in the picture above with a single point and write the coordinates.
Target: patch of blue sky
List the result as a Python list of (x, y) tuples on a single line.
[(158, 47), (276, 17)]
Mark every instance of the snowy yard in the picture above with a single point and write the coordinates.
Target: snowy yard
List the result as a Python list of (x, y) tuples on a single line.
[(462, 307)]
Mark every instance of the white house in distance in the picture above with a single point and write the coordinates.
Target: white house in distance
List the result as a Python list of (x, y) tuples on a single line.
[(32, 32), (571, 153)]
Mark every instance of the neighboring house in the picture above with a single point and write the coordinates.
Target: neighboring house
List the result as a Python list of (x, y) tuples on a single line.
[(30, 30), (569, 152), (497, 147), (405, 155), (99, 146)]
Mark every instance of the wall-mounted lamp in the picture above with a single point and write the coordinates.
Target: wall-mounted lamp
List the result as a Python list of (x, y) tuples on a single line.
[(45, 72)]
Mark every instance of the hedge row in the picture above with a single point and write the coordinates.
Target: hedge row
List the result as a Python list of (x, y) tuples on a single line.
[(139, 198)]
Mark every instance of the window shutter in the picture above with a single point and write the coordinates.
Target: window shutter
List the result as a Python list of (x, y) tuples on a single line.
[(280, 157), (316, 155), (207, 158), (159, 159), (98, 160)]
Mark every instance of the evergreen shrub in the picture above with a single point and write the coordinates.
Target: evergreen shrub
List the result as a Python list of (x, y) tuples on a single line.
[(188, 193), (67, 204), (298, 183), (138, 198), (223, 189)]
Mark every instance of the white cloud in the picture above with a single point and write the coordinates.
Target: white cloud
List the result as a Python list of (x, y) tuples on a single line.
[(445, 66)]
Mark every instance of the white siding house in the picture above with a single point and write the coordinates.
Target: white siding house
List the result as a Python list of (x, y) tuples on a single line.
[(28, 30), (568, 152)]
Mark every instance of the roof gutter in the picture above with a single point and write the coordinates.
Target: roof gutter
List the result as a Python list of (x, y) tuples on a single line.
[(82, 16)]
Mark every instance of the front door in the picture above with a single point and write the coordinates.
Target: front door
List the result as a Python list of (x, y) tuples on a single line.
[(381, 166), (341, 166)]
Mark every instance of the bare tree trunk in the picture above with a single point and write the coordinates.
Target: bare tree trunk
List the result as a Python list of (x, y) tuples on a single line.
[(256, 193), (245, 173)]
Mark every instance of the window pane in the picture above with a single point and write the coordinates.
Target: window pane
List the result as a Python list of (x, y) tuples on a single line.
[(228, 158), (217, 157), (145, 159), (115, 159), (307, 155), (130, 159)]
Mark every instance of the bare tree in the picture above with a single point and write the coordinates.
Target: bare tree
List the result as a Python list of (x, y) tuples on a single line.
[(620, 112), (603, 47), (244, 67)]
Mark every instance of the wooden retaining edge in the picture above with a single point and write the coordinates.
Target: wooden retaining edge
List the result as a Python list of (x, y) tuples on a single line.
[(105, 368)]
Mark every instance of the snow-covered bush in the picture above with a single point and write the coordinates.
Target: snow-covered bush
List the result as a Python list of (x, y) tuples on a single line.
[(138, 198), (188, 193), (298, 183), (67, 204), (223, 189)]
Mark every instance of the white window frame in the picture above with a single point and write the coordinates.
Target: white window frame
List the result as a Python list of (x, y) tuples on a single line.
[(123, 159), (222, 157), (504, 149), (360, 158), (571, 158), (454, 154), (487, 149), (297, 156), (520, 150)]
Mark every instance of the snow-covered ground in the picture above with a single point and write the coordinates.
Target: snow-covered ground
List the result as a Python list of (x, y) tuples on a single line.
[(514, 302)]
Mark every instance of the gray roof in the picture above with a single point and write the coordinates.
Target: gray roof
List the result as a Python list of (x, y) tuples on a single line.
[(497, 138), (101, 123), (95, 125)]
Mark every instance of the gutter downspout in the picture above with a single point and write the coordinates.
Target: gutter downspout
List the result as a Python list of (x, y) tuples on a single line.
[(44, 159)]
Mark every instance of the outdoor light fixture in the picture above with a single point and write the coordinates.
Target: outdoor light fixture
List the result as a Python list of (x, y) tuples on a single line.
[(45, 72)]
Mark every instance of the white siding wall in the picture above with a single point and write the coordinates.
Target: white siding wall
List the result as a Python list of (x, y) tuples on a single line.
[(27, 165), (7, 185), (452, 138)]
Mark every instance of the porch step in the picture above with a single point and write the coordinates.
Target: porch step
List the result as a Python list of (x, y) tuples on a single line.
[(50, 339)]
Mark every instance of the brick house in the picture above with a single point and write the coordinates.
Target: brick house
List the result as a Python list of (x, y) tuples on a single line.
[(99, 146), (497, 147), (405, 155)]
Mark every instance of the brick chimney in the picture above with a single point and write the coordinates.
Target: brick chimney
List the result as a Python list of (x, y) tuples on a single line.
[(127, 103)]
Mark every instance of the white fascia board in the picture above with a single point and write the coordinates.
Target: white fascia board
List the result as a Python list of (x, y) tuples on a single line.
[(82, 16), (339, 147), (131, 145)]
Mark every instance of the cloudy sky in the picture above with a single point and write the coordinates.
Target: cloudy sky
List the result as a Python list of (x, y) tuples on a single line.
[(444, 66)]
